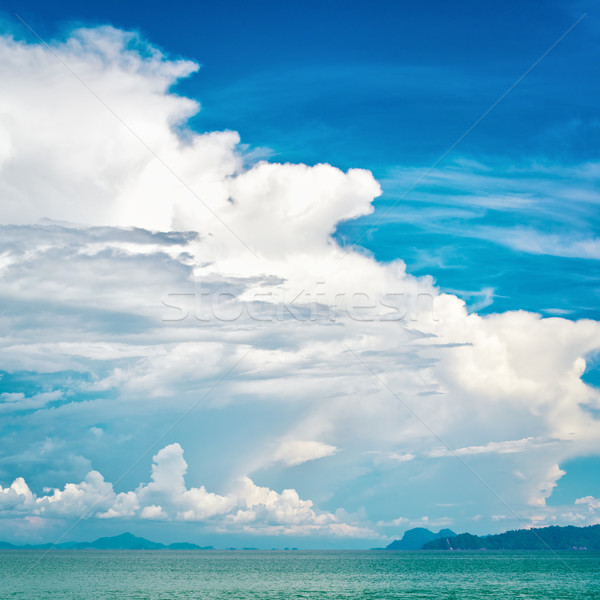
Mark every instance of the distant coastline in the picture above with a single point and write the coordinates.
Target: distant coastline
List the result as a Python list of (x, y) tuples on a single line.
[(125, 541), (540, 538)]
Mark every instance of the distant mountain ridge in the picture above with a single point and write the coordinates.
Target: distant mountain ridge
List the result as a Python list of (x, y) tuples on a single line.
[(541, 538), (125, 541), (415, 539)]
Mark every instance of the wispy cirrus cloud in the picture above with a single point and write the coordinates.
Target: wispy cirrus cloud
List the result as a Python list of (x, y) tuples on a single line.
[(506, 447)]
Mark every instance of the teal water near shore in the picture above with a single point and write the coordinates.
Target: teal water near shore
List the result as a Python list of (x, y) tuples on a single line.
[(323, 575)]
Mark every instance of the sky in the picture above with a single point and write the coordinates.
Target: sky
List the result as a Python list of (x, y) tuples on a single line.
[(298, 274)]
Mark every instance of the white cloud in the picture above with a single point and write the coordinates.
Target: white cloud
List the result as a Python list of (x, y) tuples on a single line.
[(401, 457), (126, 504), (545, 487), (153, 512), (536, 242), (391, 456), (16, 497), (96, 431), (252, 508), (168, 487), (296, 452), (77, 499), (506, 447), (593, 503), (425, 521), (13, 402)]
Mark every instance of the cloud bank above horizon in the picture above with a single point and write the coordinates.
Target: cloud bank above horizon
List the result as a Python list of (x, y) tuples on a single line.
[(150, 271)]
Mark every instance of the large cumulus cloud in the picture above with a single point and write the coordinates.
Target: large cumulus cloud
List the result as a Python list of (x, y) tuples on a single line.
[(249, 507)]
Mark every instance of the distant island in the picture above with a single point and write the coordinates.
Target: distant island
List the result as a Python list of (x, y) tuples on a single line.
[(125, 541), (415, 539), (539, 538)]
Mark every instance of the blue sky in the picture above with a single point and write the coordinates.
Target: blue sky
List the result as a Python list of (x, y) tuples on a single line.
[(506, 221)]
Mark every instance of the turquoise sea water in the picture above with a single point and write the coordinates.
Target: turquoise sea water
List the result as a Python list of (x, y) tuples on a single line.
[(381, 575)]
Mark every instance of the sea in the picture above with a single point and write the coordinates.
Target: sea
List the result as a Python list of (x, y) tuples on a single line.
[(283, 575)]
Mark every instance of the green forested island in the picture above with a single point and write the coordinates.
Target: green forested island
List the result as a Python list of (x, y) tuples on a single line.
[(541, 538)]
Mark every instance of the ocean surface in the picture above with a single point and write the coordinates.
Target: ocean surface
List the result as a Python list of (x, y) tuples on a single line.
[(281, 575)]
